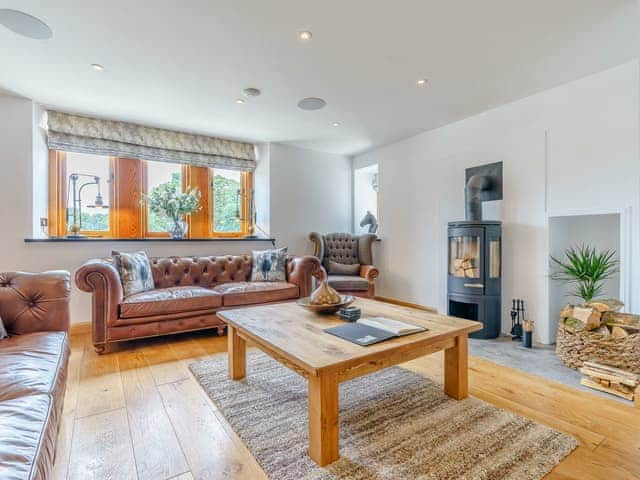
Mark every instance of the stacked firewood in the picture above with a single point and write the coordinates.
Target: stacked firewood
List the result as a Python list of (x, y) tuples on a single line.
[(611, 380), (602, 316), (465, 267)]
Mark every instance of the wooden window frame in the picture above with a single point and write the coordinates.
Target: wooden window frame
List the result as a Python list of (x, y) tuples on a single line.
[(58, 198), (246, 190), (128, 214)]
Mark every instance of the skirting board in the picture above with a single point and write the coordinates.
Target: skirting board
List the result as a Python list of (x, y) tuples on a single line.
[(80, 328), (402, 303)]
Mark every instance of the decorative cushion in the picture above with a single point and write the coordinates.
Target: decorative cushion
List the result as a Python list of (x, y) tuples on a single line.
[(336, 268), (347, 283), (135, 272), (269, 265), (3, 331)]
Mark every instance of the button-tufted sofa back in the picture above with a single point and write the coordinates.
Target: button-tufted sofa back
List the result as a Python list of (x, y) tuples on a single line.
[(201, 271), (34, 301), (343, 248)]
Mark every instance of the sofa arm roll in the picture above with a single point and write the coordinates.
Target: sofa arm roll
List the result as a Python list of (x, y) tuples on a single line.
[(98, 274), (100, 278), (301, 271), (369, 272), (35, 302)]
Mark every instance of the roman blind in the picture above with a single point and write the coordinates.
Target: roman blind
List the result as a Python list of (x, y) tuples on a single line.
[(75, 133)]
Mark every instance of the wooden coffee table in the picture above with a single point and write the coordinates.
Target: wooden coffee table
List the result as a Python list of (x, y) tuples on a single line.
[(294, 336)]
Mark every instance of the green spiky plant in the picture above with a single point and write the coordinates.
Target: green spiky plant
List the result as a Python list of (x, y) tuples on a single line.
[(587, 269)]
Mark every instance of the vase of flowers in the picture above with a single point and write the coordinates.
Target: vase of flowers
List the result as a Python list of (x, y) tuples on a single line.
[(175, 206)]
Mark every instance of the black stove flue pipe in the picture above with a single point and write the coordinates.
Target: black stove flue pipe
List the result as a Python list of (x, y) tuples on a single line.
[(474, 197)]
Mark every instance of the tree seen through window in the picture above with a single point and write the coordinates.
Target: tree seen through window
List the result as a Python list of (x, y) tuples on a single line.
[(226, 201)]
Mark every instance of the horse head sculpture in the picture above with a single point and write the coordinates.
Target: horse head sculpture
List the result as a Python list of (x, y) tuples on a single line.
[(369, 219)]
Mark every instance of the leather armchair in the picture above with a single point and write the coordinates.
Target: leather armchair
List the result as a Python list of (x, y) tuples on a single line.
[(34, 302), (35, 311), (347, 249)]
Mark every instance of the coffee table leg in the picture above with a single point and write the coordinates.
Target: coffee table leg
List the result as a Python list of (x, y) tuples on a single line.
[(237, 351), (456, 369), (323, 419)]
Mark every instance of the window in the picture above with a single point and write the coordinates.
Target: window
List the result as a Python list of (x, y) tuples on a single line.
[(109, 192), (228, 193), (159, 174), (84, 189), (366, 199)]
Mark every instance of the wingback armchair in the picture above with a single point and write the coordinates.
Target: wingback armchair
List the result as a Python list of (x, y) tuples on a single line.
[(348, 261)]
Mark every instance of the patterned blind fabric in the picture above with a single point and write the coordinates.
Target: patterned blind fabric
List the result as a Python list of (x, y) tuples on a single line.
[(75, 133)]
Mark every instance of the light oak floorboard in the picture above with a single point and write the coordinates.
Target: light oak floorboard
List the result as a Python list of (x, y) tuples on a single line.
[(65, 435), (100, 388), (102, 448), (184, 476), (210, 451), (149, 379), (165, 365), (157, 451)]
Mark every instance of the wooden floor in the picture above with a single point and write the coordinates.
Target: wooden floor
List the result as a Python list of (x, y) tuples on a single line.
[(137, 413)]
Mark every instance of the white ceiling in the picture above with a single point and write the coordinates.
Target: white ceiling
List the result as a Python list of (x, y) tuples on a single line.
[(182, 64)]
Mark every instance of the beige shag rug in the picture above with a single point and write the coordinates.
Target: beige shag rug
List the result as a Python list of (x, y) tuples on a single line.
[(394, 424)]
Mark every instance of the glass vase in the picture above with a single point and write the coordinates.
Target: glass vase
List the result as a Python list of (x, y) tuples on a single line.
[(177, 229)]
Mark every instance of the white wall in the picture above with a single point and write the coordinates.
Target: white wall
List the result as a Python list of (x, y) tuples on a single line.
[(310, 191), (307, 190), (261, 189), (571, 149)]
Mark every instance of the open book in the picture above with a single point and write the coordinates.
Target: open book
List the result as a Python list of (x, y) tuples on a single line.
[(392, 326), (368, 331)]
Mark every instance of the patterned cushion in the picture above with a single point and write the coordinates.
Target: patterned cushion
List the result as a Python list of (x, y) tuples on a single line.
[(336, 268), (135, 272), (269, 265), (3, 331)]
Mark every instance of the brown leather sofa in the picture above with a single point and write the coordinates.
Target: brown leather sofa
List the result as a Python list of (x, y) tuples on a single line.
[(188, 293), (34, 308)]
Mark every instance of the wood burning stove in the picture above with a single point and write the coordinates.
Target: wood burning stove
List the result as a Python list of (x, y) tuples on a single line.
[(474, 281)]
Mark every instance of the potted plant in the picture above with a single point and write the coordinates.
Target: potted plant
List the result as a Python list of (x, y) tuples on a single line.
[(587, 269), (596, 330), (167, 201)]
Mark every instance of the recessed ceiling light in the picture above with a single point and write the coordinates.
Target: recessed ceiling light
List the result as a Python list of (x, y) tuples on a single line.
[(239, 100), (305, 35), (422, 81), (25, 24), (251, 92), (311, 103), (97, 67), (335, 124)]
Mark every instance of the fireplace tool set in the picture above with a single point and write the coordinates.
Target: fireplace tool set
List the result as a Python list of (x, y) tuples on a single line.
[(521, 329), (517, 316)]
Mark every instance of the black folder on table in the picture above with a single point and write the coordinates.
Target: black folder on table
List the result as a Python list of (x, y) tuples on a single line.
[(360, 334)]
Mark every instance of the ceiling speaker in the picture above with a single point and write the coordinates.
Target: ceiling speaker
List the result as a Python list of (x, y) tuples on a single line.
[(311, 103), (25, 24)]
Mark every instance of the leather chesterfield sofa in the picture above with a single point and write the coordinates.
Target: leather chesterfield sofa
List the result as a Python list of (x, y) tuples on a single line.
[(188, 293), (34, 308)]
